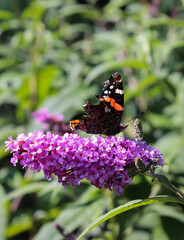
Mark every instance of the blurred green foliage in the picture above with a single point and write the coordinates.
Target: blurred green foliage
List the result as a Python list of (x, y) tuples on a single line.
[(57, 54)]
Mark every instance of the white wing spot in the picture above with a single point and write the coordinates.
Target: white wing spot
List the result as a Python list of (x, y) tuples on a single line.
[(111, 87), (119, 91)]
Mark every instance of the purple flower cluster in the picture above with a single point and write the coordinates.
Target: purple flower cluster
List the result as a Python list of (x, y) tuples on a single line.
[(51, 122), (44, 117), (105, 162)]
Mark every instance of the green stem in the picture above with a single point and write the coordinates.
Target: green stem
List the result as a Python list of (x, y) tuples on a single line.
[(165, 182)]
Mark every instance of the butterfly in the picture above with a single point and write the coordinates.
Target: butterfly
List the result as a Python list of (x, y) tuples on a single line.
[(105, 117)]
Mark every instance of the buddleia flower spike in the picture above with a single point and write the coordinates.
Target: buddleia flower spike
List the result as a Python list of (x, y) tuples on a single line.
[(138, 131), (138, 134)]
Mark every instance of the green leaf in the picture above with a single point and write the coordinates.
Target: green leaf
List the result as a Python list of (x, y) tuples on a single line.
[(160, 121), (75, 215), (166, 183), (19, 225), (97, 71), (159, 231), (116, 4), (74, 73), (169, 145), (83, 10), (34, 11), (7, 62), (128, 206), (48, 232), (169, 211), (11, 24), (164, 21), (3, 214), (29, 188), (70, 99), (142, 84), (45, 78), (5, 15)]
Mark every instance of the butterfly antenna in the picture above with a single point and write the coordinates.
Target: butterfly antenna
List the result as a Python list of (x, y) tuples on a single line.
[(137, 116)]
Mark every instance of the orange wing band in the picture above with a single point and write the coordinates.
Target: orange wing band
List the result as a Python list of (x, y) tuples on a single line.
[(74, 123), (118, 107), (112, 102)]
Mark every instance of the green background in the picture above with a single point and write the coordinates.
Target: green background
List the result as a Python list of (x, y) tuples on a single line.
[(57, 54)]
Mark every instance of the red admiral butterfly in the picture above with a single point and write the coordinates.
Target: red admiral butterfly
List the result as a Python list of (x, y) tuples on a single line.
[(105, 117)]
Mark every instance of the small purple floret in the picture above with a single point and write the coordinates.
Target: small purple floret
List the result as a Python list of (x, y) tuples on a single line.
[(103, 161), (44, 117)]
